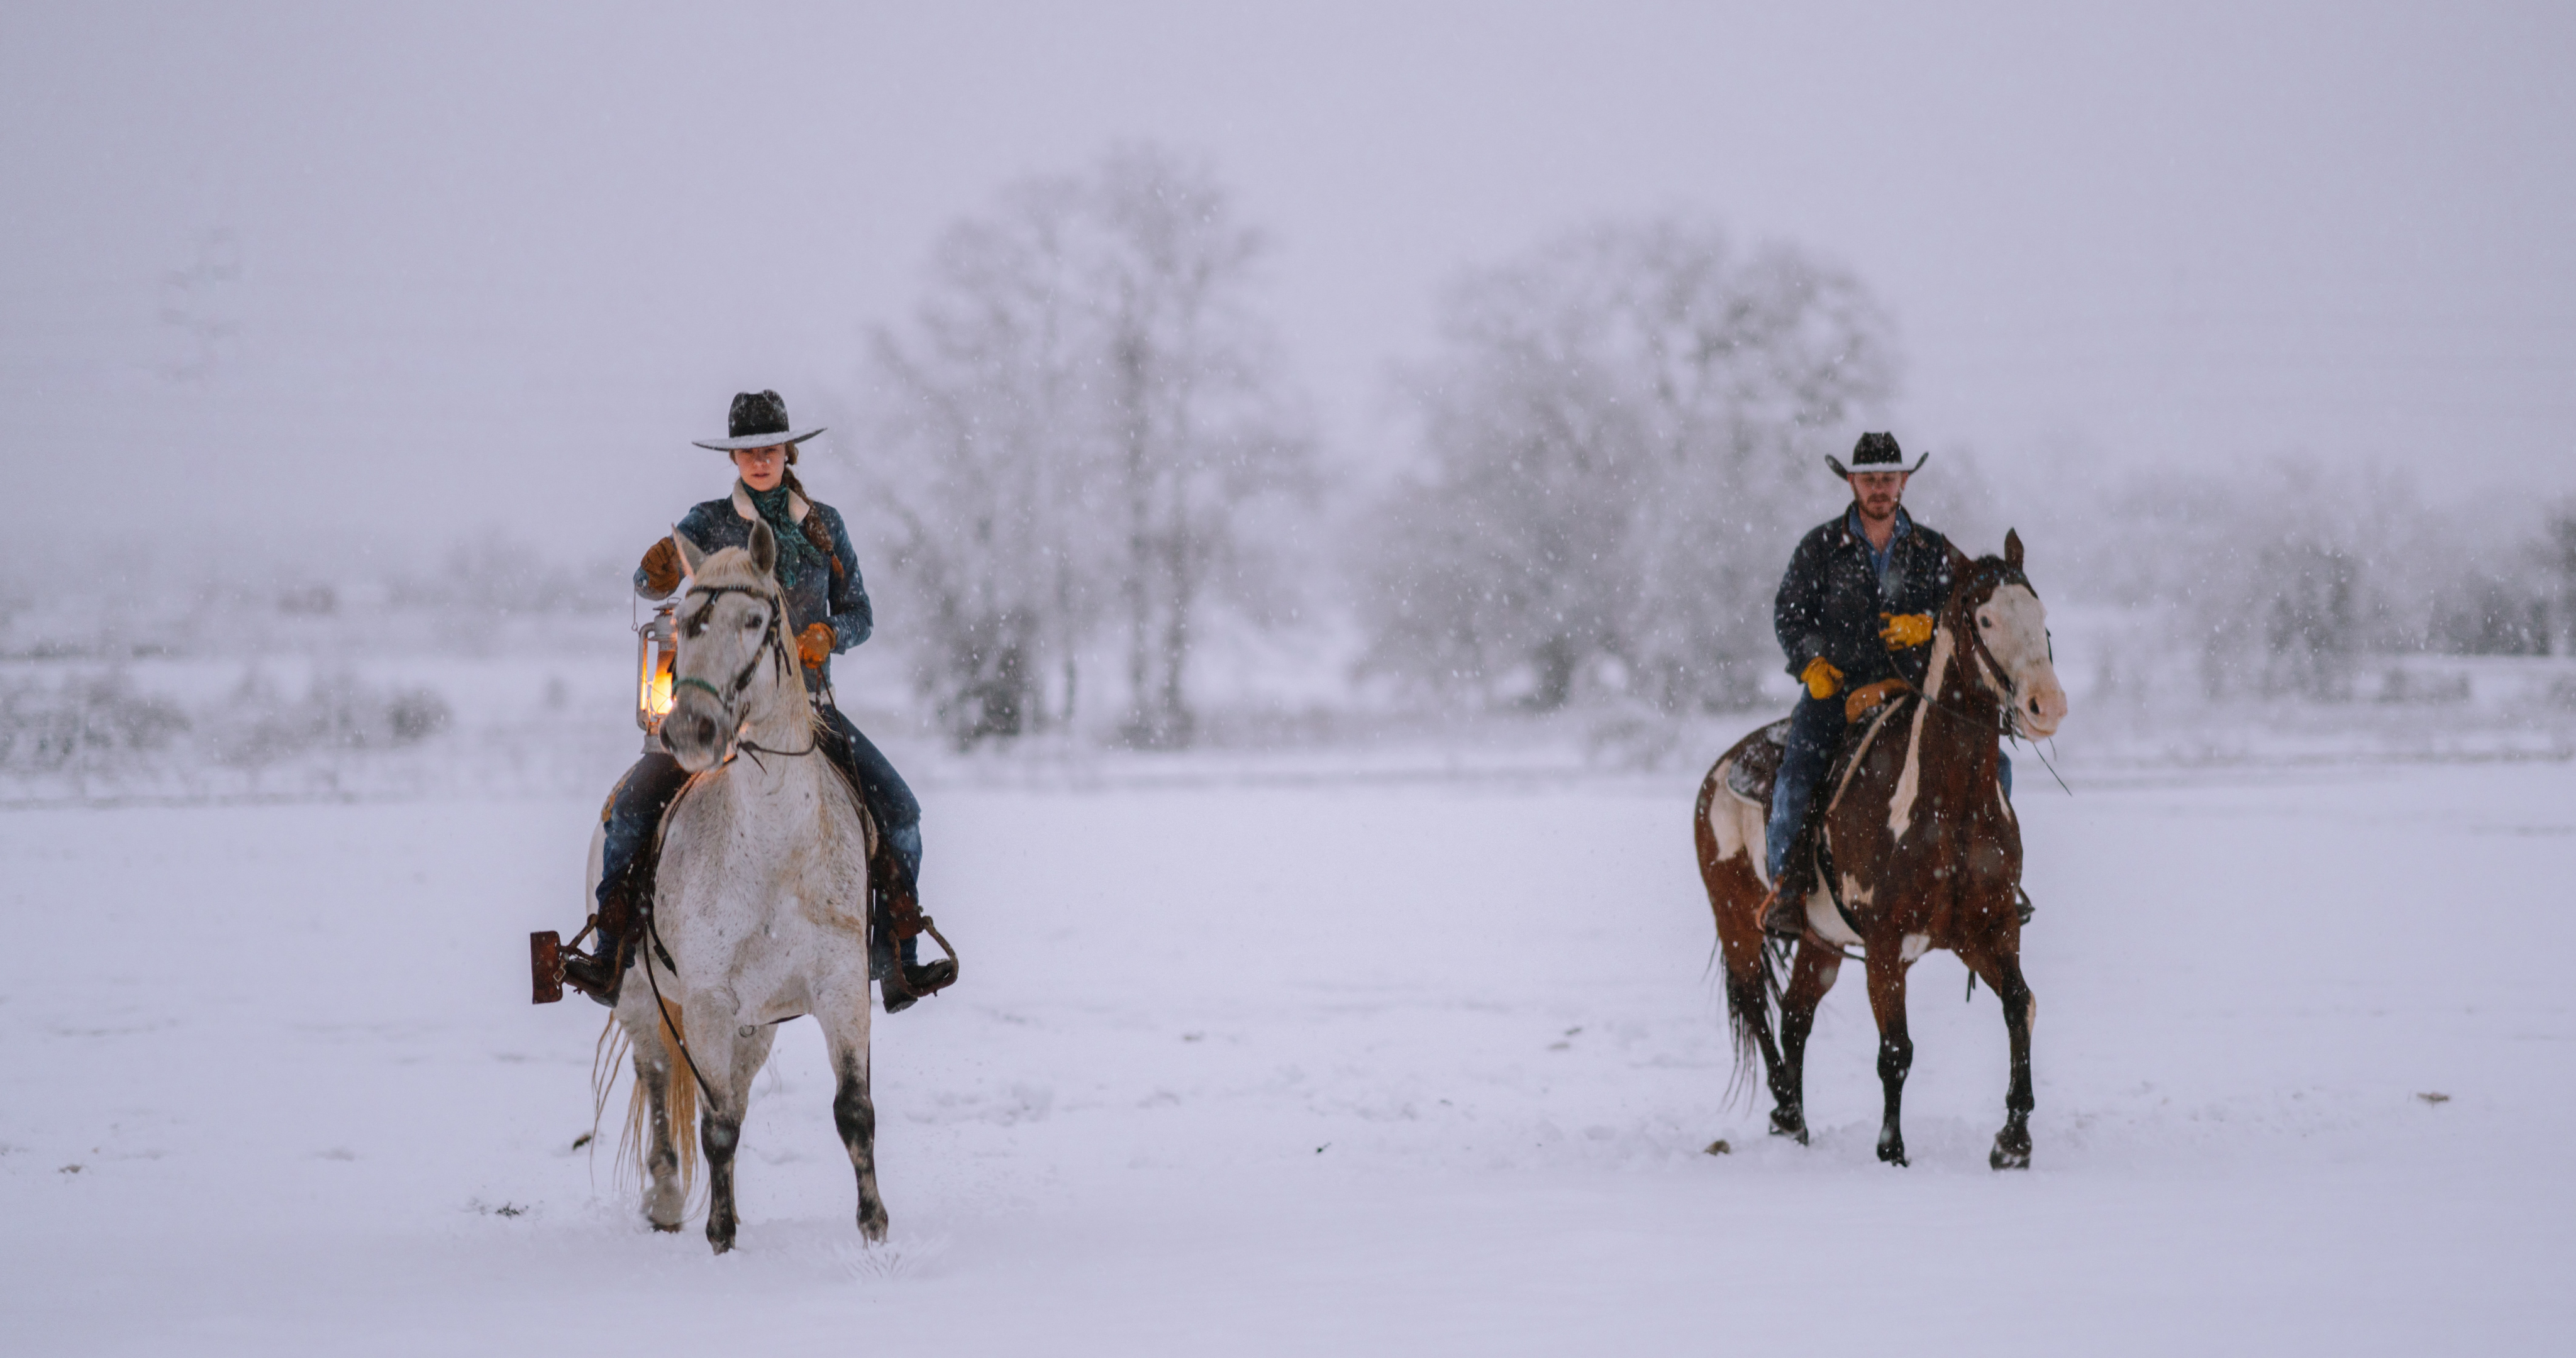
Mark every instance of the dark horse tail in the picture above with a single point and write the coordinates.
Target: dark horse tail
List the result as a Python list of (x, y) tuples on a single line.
[(1752, 1002)]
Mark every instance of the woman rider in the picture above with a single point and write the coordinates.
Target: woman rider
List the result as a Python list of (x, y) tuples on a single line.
[(827, 612)]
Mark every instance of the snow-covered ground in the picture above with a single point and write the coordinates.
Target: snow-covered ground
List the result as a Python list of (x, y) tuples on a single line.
[(1268, 1058)]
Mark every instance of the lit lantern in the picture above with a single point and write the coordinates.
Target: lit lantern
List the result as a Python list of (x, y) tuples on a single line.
[(656, 642)]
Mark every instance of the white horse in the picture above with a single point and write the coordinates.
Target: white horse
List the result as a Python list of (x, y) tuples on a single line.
[(760, 914)]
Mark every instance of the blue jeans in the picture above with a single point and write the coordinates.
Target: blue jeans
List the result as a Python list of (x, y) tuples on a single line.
[(1815, 730)]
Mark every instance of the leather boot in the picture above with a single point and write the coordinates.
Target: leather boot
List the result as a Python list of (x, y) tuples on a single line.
[(1784, 912), (894, 938), (600, 972)]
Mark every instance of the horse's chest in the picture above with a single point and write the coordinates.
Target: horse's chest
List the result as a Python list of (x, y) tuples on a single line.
[(1917, 838)]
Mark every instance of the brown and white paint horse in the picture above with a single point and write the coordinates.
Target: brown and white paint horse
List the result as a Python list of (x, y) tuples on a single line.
[(1924, 850)]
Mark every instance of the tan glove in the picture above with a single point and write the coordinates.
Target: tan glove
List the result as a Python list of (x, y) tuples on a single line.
[(814, 644), (1821, 678), (1902, 631), (661, 568)]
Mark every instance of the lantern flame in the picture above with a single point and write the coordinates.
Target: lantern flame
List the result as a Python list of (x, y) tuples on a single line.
[(655, 649)]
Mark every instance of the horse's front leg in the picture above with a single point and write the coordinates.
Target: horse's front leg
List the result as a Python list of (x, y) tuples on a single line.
[(1812, 976), (2002, 973), (729, 1069), (1895, 1049), (854, 1112)]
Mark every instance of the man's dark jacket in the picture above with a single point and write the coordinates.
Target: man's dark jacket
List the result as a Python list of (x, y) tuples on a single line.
[(837, 597), (1830, 600)]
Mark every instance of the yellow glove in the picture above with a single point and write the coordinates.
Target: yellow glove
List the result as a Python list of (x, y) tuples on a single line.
[(1821, 678), (1902, 630), (814, 644)]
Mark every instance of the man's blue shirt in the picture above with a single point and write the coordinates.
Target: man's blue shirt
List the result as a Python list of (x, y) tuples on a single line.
[(1881, 558)]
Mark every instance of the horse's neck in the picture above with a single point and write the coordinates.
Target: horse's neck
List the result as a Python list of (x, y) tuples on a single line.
[(776, 757), (784, 720), (1968, 720)]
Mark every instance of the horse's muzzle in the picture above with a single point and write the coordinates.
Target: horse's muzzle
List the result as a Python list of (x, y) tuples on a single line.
[(2040, 707), (694, 736)]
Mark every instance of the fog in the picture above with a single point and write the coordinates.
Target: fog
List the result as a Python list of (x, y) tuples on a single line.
[(297, 288), (496, 264)]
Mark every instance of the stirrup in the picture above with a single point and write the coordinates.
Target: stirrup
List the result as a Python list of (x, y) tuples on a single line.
[(556, 964)]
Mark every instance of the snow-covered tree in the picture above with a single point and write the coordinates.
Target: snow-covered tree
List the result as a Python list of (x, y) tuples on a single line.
[(1612, 431), (1084, 407)]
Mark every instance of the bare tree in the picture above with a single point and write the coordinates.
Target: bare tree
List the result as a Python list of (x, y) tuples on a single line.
[(1089, 401), (1201, 427), (1611, 430), (2558, 563)]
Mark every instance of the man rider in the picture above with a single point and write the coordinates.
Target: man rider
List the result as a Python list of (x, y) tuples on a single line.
[(1855, 610), (827, 612)]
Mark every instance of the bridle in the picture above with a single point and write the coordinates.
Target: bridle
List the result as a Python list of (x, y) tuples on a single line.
[(1988, 665), (773, 647)]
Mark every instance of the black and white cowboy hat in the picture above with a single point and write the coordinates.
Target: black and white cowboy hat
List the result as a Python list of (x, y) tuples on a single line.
[(759, 419), (1877, 453)]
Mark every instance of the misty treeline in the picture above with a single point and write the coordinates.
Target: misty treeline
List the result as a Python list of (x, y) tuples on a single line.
[(2285, 579), (1085, 452)]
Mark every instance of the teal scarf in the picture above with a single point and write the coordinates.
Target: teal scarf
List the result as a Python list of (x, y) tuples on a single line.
[(796, 552)]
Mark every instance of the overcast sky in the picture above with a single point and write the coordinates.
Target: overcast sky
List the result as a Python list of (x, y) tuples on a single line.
[(500, 265)]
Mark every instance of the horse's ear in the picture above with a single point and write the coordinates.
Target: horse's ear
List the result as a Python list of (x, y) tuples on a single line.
[(690, 556), (2012, 549), (764, 548)]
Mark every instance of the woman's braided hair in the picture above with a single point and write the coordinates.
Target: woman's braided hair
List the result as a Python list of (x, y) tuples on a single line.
[(815, 533)]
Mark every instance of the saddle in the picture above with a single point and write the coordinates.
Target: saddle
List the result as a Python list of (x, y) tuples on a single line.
[(1757, 762)]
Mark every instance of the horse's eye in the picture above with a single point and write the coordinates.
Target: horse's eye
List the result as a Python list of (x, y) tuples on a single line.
[(751, 624), (1985, 620), (696, 627)]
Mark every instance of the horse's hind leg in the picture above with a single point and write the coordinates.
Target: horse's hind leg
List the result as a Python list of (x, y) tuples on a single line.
[(2003, 974), (665, 1198), (1895, 1048), (665, 1205), (1812, 975), (854, 1112)]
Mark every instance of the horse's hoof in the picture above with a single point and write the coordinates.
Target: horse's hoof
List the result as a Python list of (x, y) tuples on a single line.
[(874, 1230), (2009, 1156), (668, 1227), (1794, 1128), (1892, 1153)]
